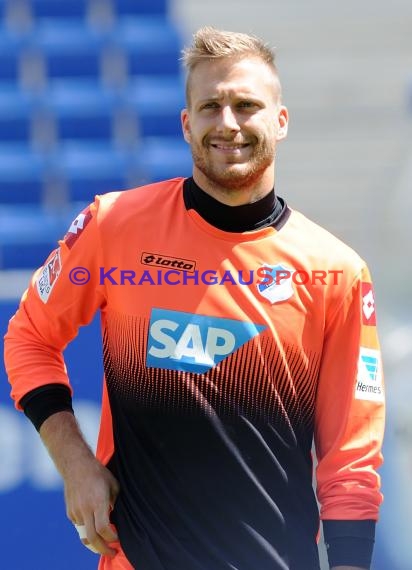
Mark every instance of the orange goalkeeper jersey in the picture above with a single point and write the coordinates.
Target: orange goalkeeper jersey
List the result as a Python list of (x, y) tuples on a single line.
[(225, 355)]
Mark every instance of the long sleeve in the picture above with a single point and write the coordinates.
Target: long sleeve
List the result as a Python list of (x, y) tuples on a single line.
[(63, 295), (350, 418)]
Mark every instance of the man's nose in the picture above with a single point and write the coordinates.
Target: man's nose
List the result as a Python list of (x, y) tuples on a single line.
[(228, 121)]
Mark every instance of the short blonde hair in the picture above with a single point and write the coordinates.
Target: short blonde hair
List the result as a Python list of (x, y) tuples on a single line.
[(210, 43)]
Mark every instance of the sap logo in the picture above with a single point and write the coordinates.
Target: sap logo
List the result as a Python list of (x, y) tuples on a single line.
[(194, 343)]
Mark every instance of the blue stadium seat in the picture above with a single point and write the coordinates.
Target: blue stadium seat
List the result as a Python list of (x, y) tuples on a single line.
[(9, 65), (164, 157), (23, 188), (80, 123), (76, 61), (29, 233), (151, 45), (85, 189), (71, 49), (15, 126), (16, 113), (92, 169), (81, 110), (135, 7), (25, 255), (22, 174), (11, 96), (157, 102), (58, 9)]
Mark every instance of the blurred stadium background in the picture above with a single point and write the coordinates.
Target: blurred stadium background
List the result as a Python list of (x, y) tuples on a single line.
[(90, 98)]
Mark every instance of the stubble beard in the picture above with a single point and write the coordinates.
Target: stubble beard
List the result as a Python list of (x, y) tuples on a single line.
[(235, 176)]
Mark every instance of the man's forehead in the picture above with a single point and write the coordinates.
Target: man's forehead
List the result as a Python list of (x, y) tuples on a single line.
[(228, 67), (221, 90), (248, 76)]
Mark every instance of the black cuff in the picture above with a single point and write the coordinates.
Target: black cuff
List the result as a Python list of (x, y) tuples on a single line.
[(349, 542), (45, 401)]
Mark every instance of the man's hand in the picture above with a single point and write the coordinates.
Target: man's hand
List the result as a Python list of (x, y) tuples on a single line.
[(90, 489), (90, 492)]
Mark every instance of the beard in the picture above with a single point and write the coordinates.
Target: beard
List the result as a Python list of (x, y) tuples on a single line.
[(235, 175)]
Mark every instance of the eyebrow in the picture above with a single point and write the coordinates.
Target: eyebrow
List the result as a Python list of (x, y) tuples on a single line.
[(238, 96)]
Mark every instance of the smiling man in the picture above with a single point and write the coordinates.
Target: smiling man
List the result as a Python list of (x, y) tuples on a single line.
[(213, 393), (233, 123)]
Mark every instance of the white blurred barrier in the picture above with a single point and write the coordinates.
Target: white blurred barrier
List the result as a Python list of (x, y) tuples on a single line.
[(25, 459)]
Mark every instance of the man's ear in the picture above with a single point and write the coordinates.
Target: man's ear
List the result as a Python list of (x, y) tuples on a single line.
[(283, 122), (184, 117)]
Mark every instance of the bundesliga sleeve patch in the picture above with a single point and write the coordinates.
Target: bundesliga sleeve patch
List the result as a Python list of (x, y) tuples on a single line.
[(48, 276), (369, 380), (368, 305)]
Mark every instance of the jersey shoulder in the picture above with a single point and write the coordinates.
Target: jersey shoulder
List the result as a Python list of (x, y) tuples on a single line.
[(321, 246), (126, 204)]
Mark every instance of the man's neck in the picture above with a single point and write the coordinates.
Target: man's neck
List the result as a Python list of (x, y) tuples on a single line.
[(235, 196), (268, 211)]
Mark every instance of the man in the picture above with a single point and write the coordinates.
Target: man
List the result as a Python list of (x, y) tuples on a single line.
[(235, 331)]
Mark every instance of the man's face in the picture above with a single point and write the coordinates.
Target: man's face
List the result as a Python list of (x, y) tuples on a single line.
[(233, 122)]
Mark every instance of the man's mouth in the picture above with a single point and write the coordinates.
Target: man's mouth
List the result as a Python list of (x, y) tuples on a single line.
[(229, 147)]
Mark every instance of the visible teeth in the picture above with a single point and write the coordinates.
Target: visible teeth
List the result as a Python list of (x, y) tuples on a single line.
[(229, 147)]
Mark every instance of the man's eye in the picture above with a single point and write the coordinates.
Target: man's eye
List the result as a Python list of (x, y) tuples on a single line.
[(246, 104), (211, 105)]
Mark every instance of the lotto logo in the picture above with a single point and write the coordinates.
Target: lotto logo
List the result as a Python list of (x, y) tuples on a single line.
[(166, 262), (194, 343), (368, 305), (77, 226)]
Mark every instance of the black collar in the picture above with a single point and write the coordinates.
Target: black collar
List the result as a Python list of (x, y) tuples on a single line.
[(268, 211)]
